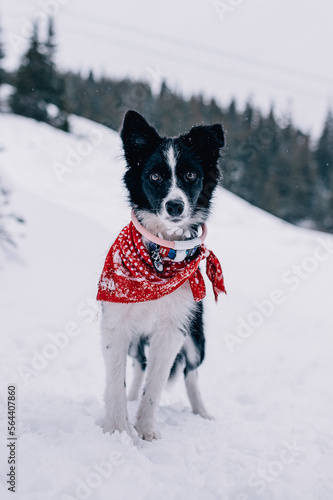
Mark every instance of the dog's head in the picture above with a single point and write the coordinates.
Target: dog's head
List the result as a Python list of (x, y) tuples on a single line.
[(170, 181)]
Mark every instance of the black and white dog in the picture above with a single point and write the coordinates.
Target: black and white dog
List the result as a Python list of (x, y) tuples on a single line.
[(170, 182)]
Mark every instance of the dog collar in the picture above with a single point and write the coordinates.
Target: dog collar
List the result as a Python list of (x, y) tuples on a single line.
[(175, 245), (160, 249)]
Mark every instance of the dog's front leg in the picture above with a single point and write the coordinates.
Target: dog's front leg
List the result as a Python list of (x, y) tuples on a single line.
[(164, 347), (115, 345)]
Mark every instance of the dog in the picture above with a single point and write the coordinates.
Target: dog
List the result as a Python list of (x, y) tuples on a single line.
[(150, 292)]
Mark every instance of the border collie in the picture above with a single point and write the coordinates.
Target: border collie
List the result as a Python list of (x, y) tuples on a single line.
[(170, 182)]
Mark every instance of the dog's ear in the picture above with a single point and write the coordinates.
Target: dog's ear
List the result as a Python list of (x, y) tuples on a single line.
[(139, 138), (206, 139)]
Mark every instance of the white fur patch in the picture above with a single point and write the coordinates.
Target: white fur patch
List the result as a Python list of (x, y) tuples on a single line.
[(174, 191), (171, 159)]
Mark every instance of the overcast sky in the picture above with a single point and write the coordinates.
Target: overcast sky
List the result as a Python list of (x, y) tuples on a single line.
[(274, 51)]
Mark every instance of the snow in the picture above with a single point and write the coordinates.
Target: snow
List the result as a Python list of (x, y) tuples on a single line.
[(267, 376)]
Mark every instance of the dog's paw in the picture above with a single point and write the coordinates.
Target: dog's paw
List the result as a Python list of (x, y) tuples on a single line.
[(207, 416), (204, 414), (146, 431), (111, 427), (149, 435)]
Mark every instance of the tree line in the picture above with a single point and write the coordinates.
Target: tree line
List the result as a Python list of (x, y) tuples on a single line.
[(268, 161)]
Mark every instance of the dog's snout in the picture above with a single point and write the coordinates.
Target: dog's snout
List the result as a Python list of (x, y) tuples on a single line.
[(174, 207)]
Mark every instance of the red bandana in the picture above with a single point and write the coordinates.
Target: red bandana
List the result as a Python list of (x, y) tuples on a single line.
[(129, 275)]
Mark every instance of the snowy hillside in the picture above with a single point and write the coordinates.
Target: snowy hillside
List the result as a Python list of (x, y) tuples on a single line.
[(267, 377)]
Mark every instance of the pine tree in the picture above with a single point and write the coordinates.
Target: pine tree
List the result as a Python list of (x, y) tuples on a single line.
[(50, 46), (40, 91), (2, 56), (56, 91), (2, 72), (324, 152), (28, 99), (232, 114), (323, 198)]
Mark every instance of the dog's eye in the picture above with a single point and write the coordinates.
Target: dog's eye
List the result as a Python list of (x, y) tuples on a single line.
[(155, 177), (190, 176)]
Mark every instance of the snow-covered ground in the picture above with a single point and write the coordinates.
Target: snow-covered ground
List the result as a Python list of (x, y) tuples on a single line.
[(267, 377)]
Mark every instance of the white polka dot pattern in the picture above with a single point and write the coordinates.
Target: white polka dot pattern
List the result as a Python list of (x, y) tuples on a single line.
[(129, 275)]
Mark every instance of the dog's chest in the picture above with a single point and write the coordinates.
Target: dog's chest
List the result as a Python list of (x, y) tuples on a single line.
[(173, 311)]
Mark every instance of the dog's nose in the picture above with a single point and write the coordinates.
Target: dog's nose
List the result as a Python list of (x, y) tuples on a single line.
[(174, 207)]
